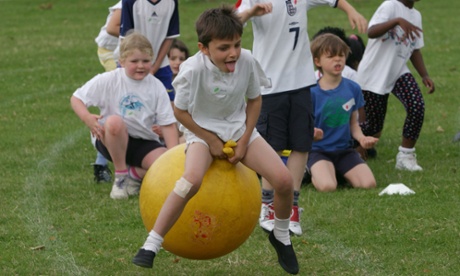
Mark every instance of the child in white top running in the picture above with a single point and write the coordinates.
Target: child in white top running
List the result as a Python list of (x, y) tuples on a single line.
[(395, 37), (212, 87), (130, 100)]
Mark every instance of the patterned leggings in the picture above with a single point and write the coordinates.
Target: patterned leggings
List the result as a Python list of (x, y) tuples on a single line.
[(408, 93)]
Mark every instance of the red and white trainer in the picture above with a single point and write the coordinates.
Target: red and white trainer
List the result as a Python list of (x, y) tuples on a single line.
[(267, 217), (294, 223)]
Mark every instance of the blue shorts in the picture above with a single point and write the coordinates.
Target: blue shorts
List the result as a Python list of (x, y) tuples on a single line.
[(136, 151), (164, 74), (343, 160), (286, 120)]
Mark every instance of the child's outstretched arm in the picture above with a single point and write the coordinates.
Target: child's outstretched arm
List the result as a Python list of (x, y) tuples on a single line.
[(113, 26), (90, 120), (417, 60), (355, 18), (256, 10), (366, 142), (215, 144)]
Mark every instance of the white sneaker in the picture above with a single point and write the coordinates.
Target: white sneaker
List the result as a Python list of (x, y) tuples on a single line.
[(267, 217), (294, 223), (133, 186), (407, 161), (119, 187)]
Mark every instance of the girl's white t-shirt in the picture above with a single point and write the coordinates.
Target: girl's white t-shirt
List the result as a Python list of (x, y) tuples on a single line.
[(385, 58), (140, 103)]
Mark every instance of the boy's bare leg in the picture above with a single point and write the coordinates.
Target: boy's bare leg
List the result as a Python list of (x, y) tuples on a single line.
[(261, 158), (323, 176), (361, 176)]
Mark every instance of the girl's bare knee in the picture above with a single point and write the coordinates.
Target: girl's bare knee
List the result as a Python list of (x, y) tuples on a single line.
[(114, 124), (365, 184), (370, 185), (326, 187)]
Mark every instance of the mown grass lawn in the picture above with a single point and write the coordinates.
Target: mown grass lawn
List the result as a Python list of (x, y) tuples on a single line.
[(56, 221)]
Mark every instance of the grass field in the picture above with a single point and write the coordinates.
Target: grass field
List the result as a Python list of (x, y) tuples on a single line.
[(56, 221)]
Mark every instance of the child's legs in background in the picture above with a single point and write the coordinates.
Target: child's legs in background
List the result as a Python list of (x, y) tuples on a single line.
[(300, 133), (106, 59), (375, 110), (322, 172), (408, 93), (108, 62), (355, 170), (100, 159), (164, 74), (286, 122), (361, 176)]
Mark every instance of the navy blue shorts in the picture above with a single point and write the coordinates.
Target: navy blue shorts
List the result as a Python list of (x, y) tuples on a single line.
[(136, 151), (286, 120), (165, 75), (343, 160)]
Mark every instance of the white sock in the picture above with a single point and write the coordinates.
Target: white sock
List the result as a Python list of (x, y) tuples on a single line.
[(406, 150), (153, 242), (281, 230)]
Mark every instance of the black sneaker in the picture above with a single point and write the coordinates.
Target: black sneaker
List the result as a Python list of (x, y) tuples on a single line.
[(144, 258), (286, 255), (102, 173)]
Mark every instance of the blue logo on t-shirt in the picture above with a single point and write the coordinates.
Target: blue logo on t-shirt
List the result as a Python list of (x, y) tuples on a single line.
[(129, 105)]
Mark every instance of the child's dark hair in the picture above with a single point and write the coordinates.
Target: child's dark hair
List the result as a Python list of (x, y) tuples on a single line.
[(179, 45), (333, 30), (328, 44), (355, 43), (218, 23), (357, 47)]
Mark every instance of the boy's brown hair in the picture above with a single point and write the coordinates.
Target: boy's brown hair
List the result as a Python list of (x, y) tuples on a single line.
[(218, 23), (329, 44), (135, 41), (179, 45)]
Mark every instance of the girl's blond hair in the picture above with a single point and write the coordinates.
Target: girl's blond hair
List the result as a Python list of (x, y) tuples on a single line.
[(135, 41)]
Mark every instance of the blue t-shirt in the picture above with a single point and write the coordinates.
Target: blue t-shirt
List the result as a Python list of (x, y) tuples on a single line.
[(333, 109)]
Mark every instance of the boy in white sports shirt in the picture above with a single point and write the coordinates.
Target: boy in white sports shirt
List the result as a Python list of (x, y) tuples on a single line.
[(395, 37), (282, 47), (130, 100), (212, 87)]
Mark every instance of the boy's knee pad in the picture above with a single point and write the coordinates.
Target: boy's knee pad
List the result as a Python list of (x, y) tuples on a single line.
[(182, 187)]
